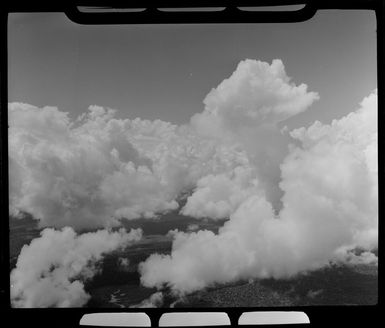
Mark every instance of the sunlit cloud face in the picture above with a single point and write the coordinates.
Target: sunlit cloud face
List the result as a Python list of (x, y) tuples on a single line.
[(257, 93)]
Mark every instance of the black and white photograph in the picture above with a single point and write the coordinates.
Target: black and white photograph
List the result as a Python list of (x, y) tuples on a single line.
[(193, 165)]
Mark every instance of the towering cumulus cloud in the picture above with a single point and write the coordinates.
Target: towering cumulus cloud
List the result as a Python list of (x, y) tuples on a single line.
[(246, 108), (56, 279), (329, 208)]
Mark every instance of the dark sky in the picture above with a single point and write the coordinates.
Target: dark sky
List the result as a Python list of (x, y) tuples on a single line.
[(165, 71)]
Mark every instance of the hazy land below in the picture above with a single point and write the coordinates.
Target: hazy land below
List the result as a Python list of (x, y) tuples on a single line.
[(119, 286)]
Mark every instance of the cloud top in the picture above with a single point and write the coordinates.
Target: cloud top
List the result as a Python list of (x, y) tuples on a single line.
[(256, 93)]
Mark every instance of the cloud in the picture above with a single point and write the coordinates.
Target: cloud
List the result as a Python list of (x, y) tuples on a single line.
[(84, 174), (52, 269), (124, 263), (218, 196), (154, 301), (294, 200), (97, 169), (246, 108), (93, 171), (256, 93), (193, 227), (329, 207), (336, 171)]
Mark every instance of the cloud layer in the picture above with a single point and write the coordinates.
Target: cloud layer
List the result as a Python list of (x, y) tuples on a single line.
[(97, 169), (52, 269), (83, 174)]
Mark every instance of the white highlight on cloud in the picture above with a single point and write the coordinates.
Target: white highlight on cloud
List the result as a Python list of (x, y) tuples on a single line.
[(329, 207), (218, 196), (154, 301), (124, 263), (192, 227), (52, 269)]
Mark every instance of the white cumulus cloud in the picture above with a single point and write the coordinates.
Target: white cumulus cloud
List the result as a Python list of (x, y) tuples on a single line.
[(329, 207), (52, 269), (218, 196), (83, 174), (93, 171), (256, 93), (246, 109)]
